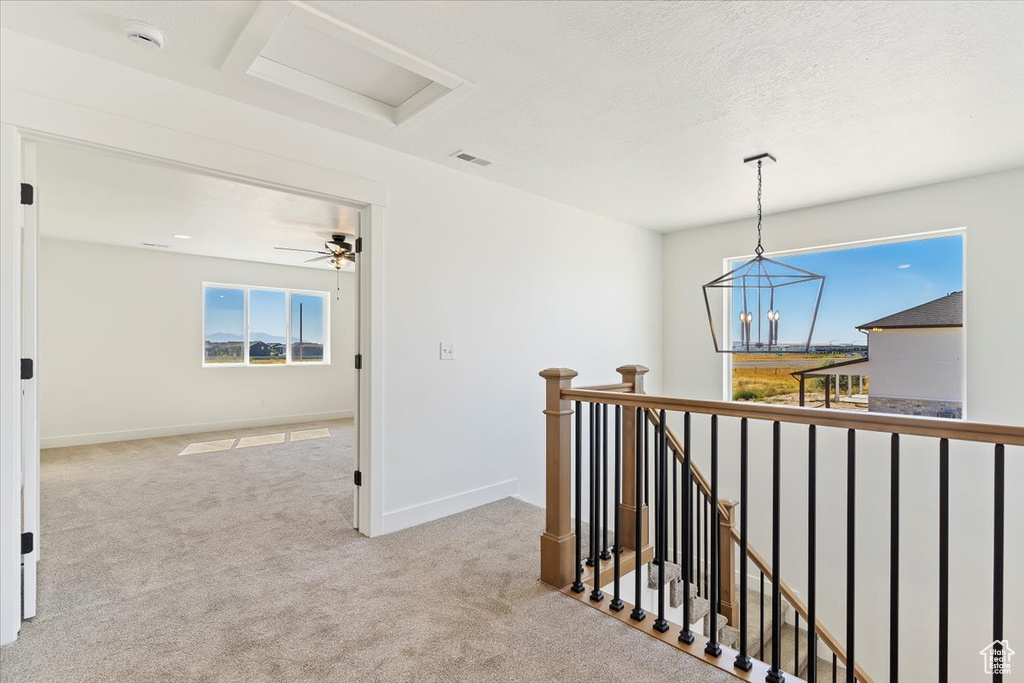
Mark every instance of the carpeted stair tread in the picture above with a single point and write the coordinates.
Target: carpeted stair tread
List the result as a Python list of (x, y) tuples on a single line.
[(699, 607), (824, 671), (788, 656), (672, 573), (754, 621), (675, 595), (727, 635)]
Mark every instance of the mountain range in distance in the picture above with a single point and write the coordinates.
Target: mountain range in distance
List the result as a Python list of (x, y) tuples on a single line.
[(253, 337)]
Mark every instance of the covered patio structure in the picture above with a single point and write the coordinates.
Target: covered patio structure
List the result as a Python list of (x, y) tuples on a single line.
[(835, 370)]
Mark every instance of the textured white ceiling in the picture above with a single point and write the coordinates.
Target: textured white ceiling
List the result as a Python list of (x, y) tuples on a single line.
[(302, 47), (642, 111), (93, 197)]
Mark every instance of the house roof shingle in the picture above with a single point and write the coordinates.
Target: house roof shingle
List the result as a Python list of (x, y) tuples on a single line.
[(946, 311)]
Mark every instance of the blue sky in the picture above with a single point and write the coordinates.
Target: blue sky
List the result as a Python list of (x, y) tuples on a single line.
[(866, 283), (312, 317), (225, 311), (225, 314), (266, 313)]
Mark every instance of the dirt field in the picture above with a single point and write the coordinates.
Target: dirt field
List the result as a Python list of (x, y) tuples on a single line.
[(767, 379)]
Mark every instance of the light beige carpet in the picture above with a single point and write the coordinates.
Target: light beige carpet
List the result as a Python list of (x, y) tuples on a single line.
[(242, 567)]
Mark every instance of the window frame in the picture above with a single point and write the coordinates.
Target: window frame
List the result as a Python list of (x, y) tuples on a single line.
[(731, 261), (246, 289)]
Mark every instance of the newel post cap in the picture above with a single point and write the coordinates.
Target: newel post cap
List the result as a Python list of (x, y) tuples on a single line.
[(558, 373), (632, 370)]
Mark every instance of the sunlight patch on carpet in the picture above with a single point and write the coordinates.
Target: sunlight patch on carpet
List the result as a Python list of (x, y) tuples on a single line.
[(262, 440), (306, 434), (208, 447)]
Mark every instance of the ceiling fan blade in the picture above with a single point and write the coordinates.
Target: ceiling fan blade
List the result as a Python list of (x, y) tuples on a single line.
[(311, 251), (351, 257), (318, 258)]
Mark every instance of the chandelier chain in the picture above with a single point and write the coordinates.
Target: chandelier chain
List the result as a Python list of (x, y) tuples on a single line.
[(760, 249)]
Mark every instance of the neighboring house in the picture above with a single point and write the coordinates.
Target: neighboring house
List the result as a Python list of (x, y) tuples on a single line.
[(916, 359), (259, 350)]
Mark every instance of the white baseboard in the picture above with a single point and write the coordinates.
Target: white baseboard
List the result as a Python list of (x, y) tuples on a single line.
[(449, 505), (175, 430)]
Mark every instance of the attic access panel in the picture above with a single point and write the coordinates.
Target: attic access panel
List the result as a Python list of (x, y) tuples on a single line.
[(297, 46)]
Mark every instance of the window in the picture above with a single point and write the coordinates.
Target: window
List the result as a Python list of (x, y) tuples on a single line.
[(224, 325), (307, 328), (264, 326), (268, 327), (889, 334)]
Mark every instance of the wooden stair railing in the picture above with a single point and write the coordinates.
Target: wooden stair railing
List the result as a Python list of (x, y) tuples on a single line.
[(561, 545)]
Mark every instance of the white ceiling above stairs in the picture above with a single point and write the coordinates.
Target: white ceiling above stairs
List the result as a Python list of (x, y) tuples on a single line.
[(635, 110)]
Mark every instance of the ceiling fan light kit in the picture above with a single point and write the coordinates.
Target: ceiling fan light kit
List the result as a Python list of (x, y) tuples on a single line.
[(339, 250), (760, 289)]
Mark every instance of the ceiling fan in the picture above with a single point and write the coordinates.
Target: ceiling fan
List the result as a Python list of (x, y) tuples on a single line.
[(339, 250)]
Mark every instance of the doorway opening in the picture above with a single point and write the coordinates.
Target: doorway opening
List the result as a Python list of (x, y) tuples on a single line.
[(121, 255)]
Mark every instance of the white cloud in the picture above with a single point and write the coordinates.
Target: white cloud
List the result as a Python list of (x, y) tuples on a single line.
[(903, 266)]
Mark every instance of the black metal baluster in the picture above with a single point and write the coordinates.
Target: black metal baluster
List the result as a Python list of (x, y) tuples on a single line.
[(742, 658), (675, 508), (577, 585), (655, 468), (812, 534), (595, 518), (604, 483), (943, 560), (834, 663), (616, 603), (775, 674), (700, 569), (999, 510), (812, 659), (707, 546), (894, 561), (638, 612), (713, 648), (796, 643), (760, 604), (661, 524), (690, 531), (851, 545), (647, 478), (686, 635), (592, 414)]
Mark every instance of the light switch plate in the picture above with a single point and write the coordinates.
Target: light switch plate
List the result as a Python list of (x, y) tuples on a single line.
[(447, 351)]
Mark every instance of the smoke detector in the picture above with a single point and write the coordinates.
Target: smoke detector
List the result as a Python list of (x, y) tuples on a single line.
[(463, 155), (143, 34)]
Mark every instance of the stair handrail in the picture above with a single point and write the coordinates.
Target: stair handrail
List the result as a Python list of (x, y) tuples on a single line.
[(560, 546), (934, 427)]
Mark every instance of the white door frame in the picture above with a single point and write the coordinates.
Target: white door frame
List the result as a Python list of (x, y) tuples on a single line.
[(30, 388), (10, 383), (26, 117)]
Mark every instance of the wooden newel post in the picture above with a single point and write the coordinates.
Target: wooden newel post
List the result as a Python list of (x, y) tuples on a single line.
[(730, 606), (558, 542), (631, 374)]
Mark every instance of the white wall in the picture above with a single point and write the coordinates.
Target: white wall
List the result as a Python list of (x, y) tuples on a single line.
[(518, 283), (991, 208), (121, 340), (917, 363)]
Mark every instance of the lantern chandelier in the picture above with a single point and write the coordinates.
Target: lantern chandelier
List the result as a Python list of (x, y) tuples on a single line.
[(759, 290)]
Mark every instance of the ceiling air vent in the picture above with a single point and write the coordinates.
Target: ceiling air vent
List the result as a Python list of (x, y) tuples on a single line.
[(471, 158), (154, 244)]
